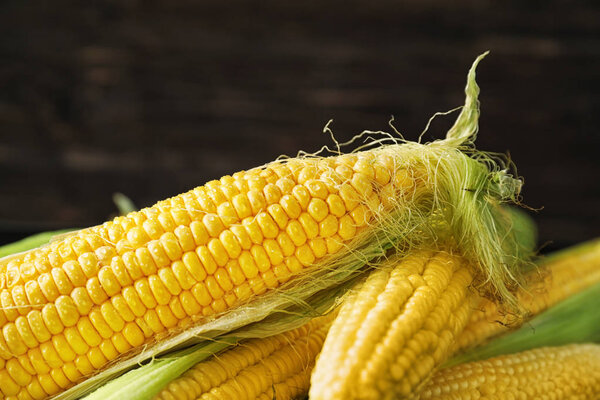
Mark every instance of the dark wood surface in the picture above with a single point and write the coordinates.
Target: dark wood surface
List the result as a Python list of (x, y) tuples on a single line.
[(153, 98)]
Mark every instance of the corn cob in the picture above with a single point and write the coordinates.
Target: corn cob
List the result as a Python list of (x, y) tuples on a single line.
[(556, 279), (392, 332), (71, 307), (566, 372), (274, 367)]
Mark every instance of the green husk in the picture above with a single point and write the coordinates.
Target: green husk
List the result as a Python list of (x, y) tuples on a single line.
[(574, 320)]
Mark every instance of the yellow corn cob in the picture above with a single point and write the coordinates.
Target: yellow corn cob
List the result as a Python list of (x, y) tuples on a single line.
[(71, 307), (553, 282), (392, 332), (274, 367), (567, 372)]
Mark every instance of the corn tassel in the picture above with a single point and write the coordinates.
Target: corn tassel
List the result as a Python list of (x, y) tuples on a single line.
[(393, 331), (559, 373), (561, 276), (274, 367)]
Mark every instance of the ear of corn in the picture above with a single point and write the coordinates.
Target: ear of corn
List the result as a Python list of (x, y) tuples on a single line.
[(574, 320), (567, 372), (273, 367), (557, 278), (107, 297), (395, 329)]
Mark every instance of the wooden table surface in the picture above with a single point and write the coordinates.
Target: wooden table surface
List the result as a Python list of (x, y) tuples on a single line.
[(151, 98)]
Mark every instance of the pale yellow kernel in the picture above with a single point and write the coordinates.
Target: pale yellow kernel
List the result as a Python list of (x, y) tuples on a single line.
[(8, 304), (242, 236), (360, 215), (318, 246), (328, 227), (223, 279), (109, 281), (214, 225), (307, 173), (158, 253), (133, 301), (349, 196), (296, 233), (151, 318), (99, 323), (170, 245), (282, 273), (184, 279), (133, 334), (36, 322), (62, 348), (62, 282), (230, 243), (74, 272), (273, 251), (270, 279), (168, 278), (272, 193), (305, 255), (67, 310), (243, 292), (199, 233), (50, 355), (206, 203), (193, 265), (180, 215), (285, 184), (189, 303), (25, 332), (88, 332), (120, 343), (112, 317), (286, 244), (214, 288), (257, 285), (311, 228), (253, 230), (152, 228), (96, 358), (145, 261), (131, 263), (159, 290), (291, 206), (201, 294), (207, 260), (108, 349), (95, 290), (247, 264), (257, 200), (241, 205), (227, 214), (317, 189), (137, 237), (37, 361), (260, 258), (347, 228), (185, 239), (267, 225), (382, 175), (17, 372), (293, 265), (118, 268), (142, 288), (166, 221), (219, 305), (235, 272), (71, 372), (317, 208), (122, 308), (302, 195), (278, 214), (167, 319), (75, 341)]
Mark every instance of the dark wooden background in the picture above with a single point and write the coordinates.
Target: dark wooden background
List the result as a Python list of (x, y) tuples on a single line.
[(151, 98)]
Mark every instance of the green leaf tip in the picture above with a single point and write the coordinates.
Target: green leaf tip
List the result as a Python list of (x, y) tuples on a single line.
[(467, 124)]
